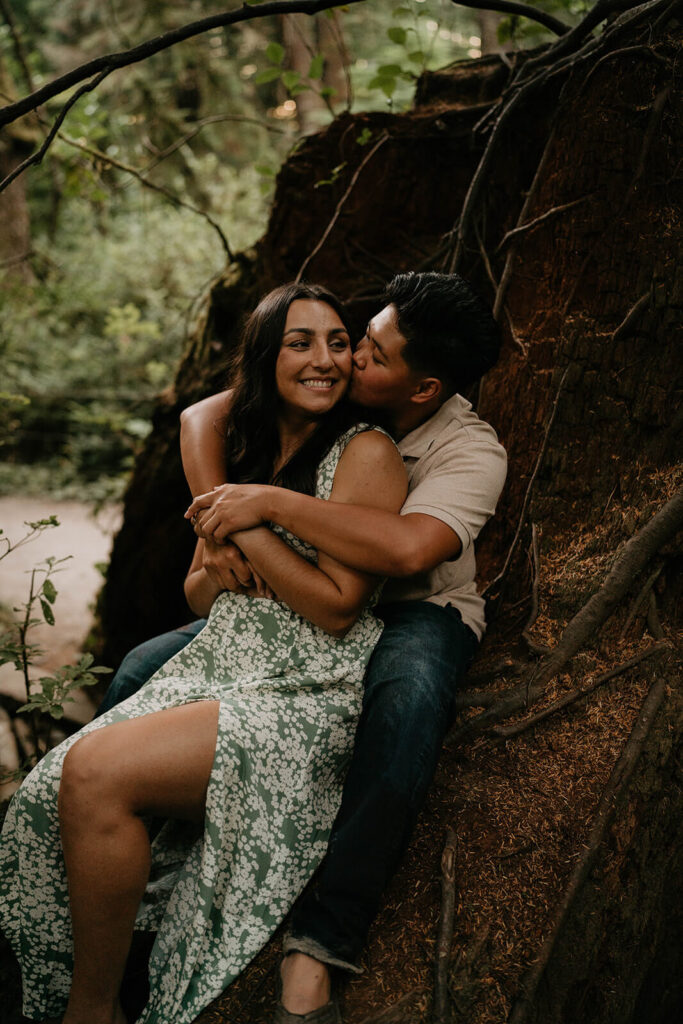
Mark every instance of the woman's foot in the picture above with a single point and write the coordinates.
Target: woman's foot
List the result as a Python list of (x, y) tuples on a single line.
[(305, 983)]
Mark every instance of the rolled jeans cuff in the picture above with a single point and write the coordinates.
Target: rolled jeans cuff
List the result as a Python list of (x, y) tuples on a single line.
[(301, 944)]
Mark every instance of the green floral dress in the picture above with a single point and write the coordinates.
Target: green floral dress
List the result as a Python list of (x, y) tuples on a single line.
[(290, 696)]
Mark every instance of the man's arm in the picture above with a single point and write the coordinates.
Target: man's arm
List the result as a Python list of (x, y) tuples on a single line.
[(370, 539)]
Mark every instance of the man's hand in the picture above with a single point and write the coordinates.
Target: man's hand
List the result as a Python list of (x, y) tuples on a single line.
[(227, 509)]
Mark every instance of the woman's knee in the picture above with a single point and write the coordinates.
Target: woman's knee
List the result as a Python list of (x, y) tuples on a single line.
[(88, 783)]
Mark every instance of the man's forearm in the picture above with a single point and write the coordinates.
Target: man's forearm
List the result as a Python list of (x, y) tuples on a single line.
[(369, 539)]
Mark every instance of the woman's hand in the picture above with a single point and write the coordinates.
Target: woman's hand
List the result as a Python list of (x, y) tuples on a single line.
[(227, 509), (227, 567)]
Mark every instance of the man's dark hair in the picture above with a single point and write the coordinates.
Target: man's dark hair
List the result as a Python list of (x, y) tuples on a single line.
[(449, 330)]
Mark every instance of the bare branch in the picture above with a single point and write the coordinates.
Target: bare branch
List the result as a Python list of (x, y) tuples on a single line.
[(340, 204), (113, 61), (37, 157), (161, 189), (511, 7), (642, 594)]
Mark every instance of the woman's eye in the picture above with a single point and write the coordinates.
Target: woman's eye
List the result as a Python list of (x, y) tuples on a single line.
[(339, 346)]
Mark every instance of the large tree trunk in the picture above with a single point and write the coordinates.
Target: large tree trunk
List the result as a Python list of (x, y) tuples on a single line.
[(592, 296)]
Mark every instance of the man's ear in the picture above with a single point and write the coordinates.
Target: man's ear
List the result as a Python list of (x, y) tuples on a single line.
[(427, 390)]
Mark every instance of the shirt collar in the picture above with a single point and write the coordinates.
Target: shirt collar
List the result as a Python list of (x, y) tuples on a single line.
[(418, 441)]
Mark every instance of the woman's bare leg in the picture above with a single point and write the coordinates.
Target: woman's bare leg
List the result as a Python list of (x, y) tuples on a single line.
[(158, 764)]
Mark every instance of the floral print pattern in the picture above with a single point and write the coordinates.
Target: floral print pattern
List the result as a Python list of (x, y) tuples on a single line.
[(290, 696)]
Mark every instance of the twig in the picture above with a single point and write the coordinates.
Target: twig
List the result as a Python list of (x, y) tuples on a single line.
[(526, 11), (161, 189), (335, 216), (507, 269), (213, 119), (536, 569), (531, 224), (653, 621), (508, 731), (642, 594), (612, 794), (36, 158), (656, 112), (632, 315), (498, 581), (445, 934)]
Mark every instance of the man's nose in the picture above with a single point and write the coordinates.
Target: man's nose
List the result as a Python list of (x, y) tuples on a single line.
[(360, 355)]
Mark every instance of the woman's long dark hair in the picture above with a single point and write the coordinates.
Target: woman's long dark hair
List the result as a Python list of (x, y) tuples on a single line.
[(252, 442)]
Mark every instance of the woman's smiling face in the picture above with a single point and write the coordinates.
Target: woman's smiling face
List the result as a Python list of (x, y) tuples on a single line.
[(313, 366)]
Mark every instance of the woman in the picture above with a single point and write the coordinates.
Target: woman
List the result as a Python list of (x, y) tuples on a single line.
[(240, 741)]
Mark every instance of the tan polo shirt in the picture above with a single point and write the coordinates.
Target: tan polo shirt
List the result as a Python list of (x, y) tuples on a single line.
[(456, 469)]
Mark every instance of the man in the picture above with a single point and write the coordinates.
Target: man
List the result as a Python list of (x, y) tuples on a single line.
[(434, 338)]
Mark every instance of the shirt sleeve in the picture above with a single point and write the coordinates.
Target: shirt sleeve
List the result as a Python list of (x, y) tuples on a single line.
[(461, 486)]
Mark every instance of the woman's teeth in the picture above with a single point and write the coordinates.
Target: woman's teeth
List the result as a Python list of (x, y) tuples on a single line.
[(320, 384)]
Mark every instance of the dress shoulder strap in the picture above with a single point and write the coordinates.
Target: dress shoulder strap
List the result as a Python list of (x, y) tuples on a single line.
[(328, 465)]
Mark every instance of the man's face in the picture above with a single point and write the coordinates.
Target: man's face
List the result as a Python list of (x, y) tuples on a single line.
[(381, 378)]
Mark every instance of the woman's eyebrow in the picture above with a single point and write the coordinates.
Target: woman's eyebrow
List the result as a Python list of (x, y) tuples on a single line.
[(311, 332)]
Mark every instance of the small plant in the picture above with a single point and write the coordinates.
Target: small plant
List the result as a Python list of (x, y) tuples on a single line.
[(47, 695)]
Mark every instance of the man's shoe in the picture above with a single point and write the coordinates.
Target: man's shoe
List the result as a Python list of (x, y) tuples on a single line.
[(327, 1014)]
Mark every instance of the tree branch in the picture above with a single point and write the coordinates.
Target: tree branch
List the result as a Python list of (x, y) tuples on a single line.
[(113, 61), (511, 7), (161, 189)]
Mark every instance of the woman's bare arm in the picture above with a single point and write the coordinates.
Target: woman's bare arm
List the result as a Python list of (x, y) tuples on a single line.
[(202, 445)]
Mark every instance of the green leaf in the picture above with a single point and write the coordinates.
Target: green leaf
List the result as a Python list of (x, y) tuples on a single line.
[(317, 65), (290, 79), (269, 75), (47, 612), (49, 591), (402, 12), (397, 34), (328, 91), (417, 56), (364, 137), (275, 53), (389, 70), (265, 170)]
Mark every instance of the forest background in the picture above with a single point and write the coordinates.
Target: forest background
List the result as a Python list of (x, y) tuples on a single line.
[(550, 175), (107, 248)]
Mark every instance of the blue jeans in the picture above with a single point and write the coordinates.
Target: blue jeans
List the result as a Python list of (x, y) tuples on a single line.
[(409, 703), (142, 662)]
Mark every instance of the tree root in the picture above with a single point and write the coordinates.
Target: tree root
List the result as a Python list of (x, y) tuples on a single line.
[(612, 794), (508, 731), (633, 558), (445, 934)]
